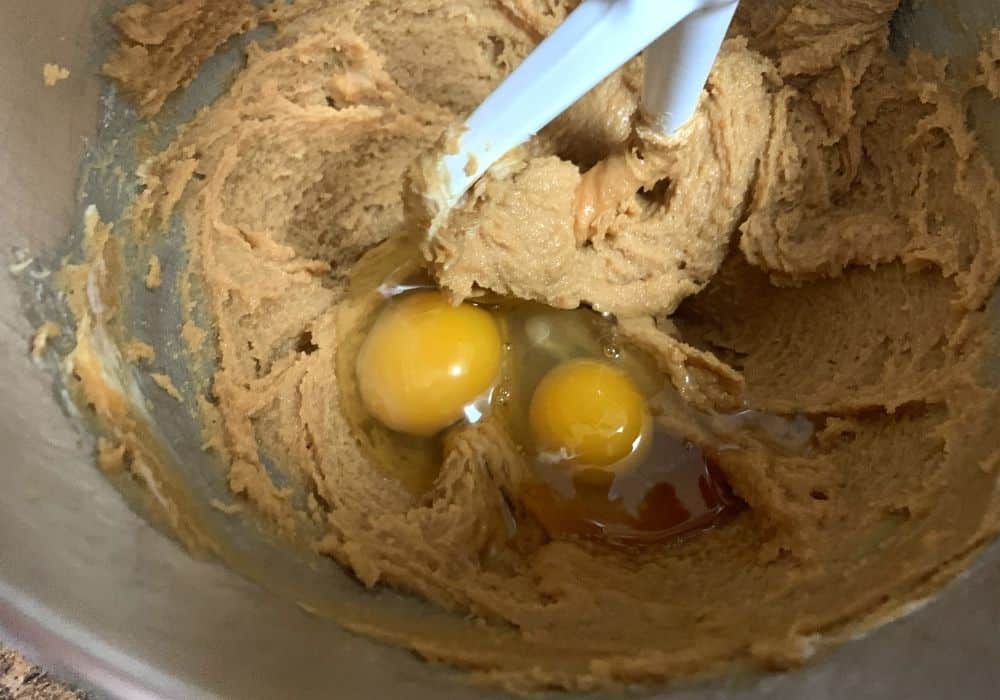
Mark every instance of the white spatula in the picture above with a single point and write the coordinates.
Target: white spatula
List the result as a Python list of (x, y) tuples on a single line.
[(599, 37)]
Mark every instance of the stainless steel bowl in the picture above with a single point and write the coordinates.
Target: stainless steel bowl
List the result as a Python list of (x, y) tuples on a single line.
[(88, 587)]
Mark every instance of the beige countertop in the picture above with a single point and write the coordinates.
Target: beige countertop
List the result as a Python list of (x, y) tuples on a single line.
[(20, 680)]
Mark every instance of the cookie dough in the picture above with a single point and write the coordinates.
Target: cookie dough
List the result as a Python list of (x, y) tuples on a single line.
[(819, 243)]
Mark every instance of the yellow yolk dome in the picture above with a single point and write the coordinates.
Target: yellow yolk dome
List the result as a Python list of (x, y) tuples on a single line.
[(425, 360), (589, 413)]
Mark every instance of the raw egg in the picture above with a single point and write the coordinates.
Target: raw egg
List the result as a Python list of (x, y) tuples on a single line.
[(425, 361), (589, 415)]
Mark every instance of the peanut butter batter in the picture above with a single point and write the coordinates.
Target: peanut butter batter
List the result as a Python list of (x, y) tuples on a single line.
[(819, 243)]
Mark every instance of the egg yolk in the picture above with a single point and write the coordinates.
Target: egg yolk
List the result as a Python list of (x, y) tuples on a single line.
[(589, 414), (424, 361)]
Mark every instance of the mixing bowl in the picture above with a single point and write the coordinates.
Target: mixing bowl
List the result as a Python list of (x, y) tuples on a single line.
[(91, 589)]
